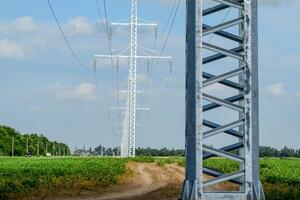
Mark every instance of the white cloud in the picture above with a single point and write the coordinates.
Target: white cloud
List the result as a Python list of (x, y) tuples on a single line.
[(10, 49), (83, 92), (25, 36), (21, 25), (297, 95), (278, 90), (275, 90), (79, 26)]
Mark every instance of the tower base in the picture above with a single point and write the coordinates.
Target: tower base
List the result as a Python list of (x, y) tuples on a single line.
[(190, 192)]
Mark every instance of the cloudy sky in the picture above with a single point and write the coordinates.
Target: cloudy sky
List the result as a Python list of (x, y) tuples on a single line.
[(44, 89)]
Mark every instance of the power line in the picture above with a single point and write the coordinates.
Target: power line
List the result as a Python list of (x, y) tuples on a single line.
[(78, 59), (164, 29), (106, 31), (106, 27), (167, 82), (99, 99), (166, 40), (164, 94), (98, 90), (169, 34), (100, 15), (175, 5), (148, 80), (66, 39)]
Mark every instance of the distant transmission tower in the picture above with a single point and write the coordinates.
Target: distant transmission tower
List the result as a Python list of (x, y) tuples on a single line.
[(241, 79), (130, 110)]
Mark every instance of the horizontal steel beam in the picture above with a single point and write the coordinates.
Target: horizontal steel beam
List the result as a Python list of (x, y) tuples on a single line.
[(223, 51), (215, 173), (225, 82), (223, 102), (220, 56), (223, 77), (223, 195), (224, 128), (233, 99), (224, 178), (126, 91), (223, 154), (225, 34), (129, 24), (228, 148), (231, 3), (214, 9), (128, 56), (222, 26), (125, 108), (229, 132)]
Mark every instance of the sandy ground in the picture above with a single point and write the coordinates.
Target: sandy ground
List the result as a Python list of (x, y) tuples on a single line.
[(148, 182)]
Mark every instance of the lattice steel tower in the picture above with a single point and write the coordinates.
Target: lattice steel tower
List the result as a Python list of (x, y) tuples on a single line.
[(135, 52), (236, 45)]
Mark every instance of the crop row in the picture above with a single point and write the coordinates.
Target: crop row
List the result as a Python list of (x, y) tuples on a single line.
[(21, 175), (272, 170)]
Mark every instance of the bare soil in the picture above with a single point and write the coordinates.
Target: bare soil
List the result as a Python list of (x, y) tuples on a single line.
[(148, 182)]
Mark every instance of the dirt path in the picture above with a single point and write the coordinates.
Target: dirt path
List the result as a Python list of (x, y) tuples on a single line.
[(148, 182), (148, 178)]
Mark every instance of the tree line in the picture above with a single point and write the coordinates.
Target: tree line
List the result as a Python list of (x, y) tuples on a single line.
[(14, 143), (264, 151)]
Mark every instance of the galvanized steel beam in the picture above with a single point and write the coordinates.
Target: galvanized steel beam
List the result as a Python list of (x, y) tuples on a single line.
[(230, 99), (223, 178), (224, 128), (245, 125), (230, 132), (225, 34), (225, 82), (229, 148)]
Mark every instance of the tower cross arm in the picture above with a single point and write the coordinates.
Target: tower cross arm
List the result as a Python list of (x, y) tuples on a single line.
[(129, 24), (138, 57)]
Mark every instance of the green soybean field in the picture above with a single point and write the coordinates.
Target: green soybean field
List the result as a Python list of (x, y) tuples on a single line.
[(20, 177)]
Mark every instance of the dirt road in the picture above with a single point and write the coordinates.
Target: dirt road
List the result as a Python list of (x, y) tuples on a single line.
[(148, 182)]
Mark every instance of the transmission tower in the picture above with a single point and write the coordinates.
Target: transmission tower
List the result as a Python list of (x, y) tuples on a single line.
[(242, 32), (135, 52)]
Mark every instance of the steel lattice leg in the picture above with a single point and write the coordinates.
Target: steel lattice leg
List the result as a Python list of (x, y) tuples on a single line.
[(241, 31)]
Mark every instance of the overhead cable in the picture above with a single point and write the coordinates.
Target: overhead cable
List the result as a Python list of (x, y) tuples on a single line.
[(66, 39)]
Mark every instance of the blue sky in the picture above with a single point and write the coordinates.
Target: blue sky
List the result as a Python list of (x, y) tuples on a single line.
[(44, 90)]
